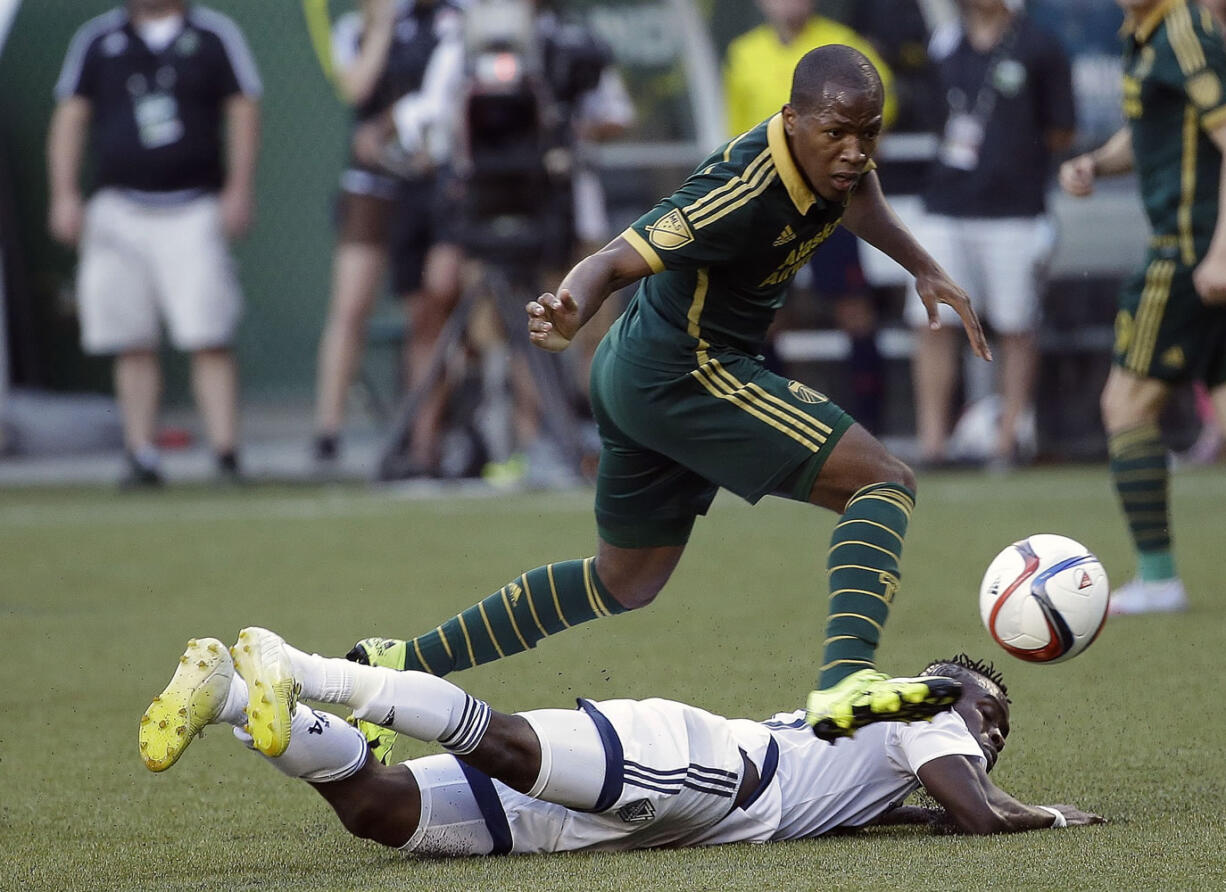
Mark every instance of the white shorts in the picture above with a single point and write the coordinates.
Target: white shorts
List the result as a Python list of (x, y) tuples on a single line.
[(671, 777), (144, 264), (1000, 262)]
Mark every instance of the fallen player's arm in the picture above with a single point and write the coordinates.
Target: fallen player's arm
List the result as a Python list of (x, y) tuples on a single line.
[(976, 805)]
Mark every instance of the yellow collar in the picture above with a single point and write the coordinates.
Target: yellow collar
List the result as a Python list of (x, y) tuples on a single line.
[(802, 196), (1141, 30)]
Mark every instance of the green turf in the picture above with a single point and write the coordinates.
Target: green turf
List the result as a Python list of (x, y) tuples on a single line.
[(99, 592)]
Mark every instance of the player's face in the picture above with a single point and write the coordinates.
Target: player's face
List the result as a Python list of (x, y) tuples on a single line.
[(833, 143), (987, 717)]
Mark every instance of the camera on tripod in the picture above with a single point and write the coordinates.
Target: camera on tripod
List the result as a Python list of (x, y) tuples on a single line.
[(516, 143)]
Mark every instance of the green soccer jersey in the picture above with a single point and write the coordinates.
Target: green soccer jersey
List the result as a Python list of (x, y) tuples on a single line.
[(1174, 68), (723, 249)]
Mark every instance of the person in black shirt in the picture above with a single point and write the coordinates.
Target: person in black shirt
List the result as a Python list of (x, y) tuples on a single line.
[(1008, 110), (153, 84), (399, 63)]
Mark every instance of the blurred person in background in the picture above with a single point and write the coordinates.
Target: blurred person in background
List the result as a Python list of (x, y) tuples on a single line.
[(1007, 105), (757, 71), (153, 85), (1171, 324), (399, 63)]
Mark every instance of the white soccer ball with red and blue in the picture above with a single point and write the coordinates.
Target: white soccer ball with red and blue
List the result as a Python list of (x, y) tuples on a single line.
[(1044, 598)]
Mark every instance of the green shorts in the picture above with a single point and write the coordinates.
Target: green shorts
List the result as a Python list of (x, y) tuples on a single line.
[(670, 439), (1164, 331)]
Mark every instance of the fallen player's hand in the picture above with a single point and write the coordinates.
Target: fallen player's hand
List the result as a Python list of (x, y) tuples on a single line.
[(553, 320), (1076, 817)]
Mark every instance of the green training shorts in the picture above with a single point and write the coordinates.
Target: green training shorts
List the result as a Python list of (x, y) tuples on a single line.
[(671, 438)]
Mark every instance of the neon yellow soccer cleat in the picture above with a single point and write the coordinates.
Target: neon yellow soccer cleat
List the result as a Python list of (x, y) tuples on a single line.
[(388, 652), (869, 696), (272, 692), (196, 694)]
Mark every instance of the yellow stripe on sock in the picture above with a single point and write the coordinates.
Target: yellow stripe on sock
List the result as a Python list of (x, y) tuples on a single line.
[(421, 657), (867, 619), (873, 523), (506, 603), (472, 658), (553, 587), (869, 663), (489, 630), (859, 591), (861, 542), (592, 594), (446, 644), (532, 605)]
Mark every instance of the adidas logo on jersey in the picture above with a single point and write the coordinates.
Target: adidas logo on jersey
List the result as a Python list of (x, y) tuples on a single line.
[(784, 237)]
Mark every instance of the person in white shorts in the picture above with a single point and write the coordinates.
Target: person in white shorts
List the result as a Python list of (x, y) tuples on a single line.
[(152, 83), (1008, 110), (612, 775)]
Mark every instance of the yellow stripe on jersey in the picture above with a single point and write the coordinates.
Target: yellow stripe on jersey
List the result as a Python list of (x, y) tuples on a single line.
[(732, 143), (698, 211), (1187, 193), (646, 251), (759, 185), (693, 316), (1182, 32)]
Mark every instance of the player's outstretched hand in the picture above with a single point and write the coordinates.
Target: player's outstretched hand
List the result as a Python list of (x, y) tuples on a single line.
[(1076, 817), (937, 288), (553, 320), (1209, 279)]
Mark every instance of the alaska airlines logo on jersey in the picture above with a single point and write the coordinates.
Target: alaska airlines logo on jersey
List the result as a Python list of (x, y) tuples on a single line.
[(798, 257), (806, 394), (788, 235), (670, 232), (640, 811), (1205, 90)]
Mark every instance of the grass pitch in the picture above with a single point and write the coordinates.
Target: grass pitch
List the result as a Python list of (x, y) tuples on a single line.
[(99, 592)]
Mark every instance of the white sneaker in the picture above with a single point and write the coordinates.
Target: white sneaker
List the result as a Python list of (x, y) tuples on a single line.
[(193, 699), (272, 693), (1138, 596)]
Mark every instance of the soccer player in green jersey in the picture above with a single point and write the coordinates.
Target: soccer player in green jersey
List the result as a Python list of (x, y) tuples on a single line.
[(685, 405), (1171, 325)]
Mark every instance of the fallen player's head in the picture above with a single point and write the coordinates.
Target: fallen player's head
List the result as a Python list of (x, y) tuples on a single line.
[(984, 704)]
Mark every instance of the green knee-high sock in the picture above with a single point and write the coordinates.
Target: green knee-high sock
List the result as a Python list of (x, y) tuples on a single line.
[(541, 602), (862, 567), (1138, 469)]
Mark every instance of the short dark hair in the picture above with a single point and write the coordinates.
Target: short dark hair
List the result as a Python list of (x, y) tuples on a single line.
[(964, 665), (834, 63)]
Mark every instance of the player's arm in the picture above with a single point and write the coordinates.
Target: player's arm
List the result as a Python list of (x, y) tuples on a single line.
[(357, 80), (871, 218), (1209, 277), (976, 805), (65, 149), (1077, 175), (553, 319)]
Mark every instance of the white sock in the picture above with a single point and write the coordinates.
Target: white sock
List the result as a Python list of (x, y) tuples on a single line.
[(421, 706), (322, 748), (323, 679), (236, 700)]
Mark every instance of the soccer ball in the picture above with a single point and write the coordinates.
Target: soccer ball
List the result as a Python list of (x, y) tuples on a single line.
[(1044, 598)]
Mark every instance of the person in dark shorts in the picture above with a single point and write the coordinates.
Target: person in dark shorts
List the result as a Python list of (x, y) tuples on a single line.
[(1171, 324), (685, 406)]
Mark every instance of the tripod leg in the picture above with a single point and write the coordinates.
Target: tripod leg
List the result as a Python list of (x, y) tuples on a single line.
[(393, 460)]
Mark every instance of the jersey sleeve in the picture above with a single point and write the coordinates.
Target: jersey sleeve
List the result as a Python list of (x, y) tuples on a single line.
[(946, 735), (238, 73), (1202, 61), (78, 73), (706, 222)]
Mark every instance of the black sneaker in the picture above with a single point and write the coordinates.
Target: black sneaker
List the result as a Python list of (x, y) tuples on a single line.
[(139, 476), (326, 448)]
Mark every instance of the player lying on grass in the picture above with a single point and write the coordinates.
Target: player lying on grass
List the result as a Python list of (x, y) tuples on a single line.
[(612, 774)]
